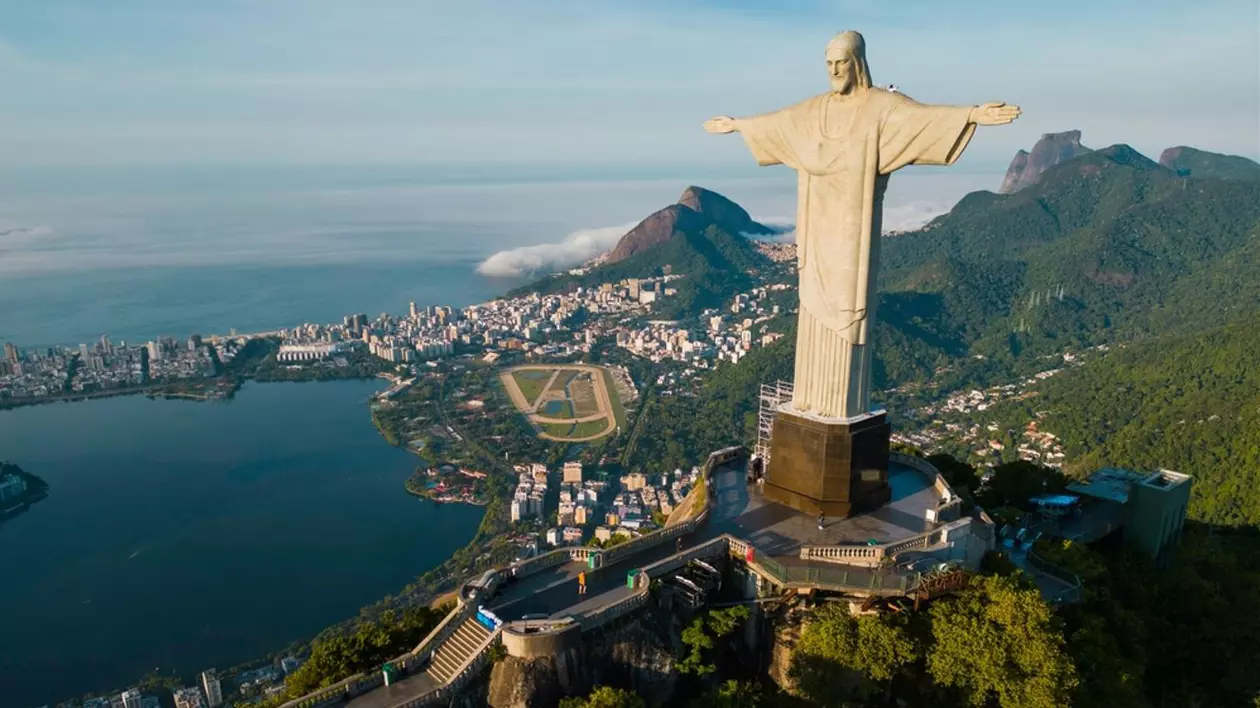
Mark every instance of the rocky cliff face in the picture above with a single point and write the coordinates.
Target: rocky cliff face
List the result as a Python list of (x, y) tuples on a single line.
[(658, 227), (696, 210), (1050, 150)]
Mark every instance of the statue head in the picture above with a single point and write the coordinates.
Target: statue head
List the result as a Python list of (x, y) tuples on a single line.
[(846, 63)]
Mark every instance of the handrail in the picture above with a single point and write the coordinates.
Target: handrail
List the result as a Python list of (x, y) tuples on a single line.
[(444, 629)]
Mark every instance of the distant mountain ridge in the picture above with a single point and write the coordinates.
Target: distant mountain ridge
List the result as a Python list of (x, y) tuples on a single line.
[(1104, 246)]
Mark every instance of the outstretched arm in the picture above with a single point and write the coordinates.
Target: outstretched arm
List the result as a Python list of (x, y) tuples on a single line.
[(913, 133), (769, 137)]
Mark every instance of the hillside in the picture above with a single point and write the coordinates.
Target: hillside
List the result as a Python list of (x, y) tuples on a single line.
[(1189, 403), (1104, 247), (1201, 163), (702, 237)]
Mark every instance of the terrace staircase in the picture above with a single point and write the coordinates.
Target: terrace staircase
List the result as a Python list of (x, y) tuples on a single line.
[(457, 649)]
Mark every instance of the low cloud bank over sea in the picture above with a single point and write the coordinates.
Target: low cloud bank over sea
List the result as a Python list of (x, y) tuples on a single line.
[(582, 245)]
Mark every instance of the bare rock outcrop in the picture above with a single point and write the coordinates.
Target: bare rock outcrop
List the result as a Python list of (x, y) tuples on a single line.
[(1053, 148)]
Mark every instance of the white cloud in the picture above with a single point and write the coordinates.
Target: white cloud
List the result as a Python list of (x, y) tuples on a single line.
[(584, 244), (576, 248)]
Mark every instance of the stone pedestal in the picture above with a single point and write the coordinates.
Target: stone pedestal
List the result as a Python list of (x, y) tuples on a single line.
[(838, 467)]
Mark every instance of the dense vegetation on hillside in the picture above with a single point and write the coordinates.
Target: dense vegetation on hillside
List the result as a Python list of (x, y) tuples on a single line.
[(366, 645), (1105, 247), (1189, 403), (1198, 163)]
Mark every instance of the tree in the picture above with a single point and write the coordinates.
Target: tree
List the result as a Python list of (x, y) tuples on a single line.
[(959, 475), (701, 634), (606, 697), (999, 642), (840, 655), (1014, 483), (731, 694)]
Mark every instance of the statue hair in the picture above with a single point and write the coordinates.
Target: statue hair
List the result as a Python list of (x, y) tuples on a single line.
[(854, 45)]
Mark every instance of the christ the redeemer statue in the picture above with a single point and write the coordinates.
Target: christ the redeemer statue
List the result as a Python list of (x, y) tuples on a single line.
[(843, 144)]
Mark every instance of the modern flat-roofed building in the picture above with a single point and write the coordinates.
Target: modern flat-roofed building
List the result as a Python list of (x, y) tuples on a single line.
[(1150, 507)]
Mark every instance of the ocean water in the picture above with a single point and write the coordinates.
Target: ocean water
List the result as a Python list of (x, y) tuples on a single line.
[(179, 535)]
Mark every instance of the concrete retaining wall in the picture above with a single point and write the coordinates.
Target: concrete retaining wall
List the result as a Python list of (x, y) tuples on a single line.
[(530, 640)]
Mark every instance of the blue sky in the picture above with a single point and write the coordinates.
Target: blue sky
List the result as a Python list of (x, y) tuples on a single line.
[(590, 82)]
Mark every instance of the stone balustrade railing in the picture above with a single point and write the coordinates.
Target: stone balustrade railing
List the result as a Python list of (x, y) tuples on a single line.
[(853, 555), (581, 553)]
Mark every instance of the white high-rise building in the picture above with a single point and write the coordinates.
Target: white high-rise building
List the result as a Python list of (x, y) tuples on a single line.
[(214, 692), (131, 698)]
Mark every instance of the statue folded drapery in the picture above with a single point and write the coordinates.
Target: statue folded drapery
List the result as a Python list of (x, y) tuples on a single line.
[(843, 145)]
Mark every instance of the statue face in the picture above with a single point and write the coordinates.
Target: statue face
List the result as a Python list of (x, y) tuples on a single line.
[(843, 71)]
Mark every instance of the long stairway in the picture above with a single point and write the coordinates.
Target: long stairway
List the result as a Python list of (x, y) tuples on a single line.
[(457, 649)]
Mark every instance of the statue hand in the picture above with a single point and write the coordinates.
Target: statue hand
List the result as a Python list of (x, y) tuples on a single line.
[(721, 124), (993, 114)]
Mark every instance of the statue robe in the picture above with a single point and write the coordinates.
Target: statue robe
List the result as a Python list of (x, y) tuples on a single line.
[(843, 147)]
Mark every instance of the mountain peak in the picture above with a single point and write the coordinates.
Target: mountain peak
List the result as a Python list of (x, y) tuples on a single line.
[(1053, 148), (1123, 154), (721, 211), (696, 210)]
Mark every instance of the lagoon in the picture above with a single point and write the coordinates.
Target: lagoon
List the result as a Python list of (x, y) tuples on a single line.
[(180, 535)]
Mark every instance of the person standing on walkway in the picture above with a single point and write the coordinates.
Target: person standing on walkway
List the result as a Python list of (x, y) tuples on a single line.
[(821, 519), (582, 582)]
